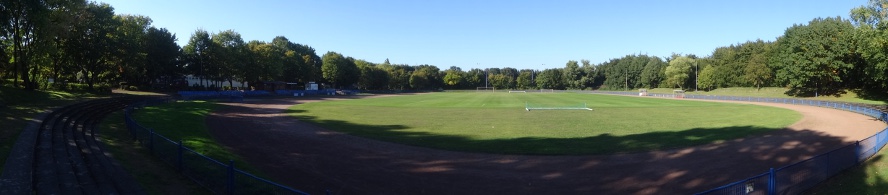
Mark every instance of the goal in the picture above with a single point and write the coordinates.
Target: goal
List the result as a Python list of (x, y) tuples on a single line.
[(678, 94), (565, 106), (547, 90), (485, 89)]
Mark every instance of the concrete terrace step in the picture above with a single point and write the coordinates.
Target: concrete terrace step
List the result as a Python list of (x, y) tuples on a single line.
[(67, 158)]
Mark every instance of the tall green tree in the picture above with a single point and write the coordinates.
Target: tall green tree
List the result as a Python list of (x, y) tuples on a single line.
[(162, 55), (230, 55), (525, 79), (653, 73), (573, 75), (707, 80), (426, 77), (30, 29), (816, 58), (550, 79), (453, 77), (91, 46), (198, 52), (678, 71), (757, 72), (474, 78), (872, 37), (131, 43), (339, 70)]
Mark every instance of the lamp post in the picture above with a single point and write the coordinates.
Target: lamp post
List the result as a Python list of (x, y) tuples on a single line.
[(486, 75), (696, 76)]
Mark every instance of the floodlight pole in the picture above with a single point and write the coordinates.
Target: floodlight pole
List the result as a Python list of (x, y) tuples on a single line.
[(627, 79), (486, 75)]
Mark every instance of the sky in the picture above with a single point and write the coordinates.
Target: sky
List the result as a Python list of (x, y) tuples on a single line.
[(491, 33)]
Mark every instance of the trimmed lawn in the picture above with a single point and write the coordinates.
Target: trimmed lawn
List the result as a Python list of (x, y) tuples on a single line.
[(498, 122)]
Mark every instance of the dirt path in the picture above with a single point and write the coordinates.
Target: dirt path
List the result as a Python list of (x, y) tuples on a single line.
[(313, 159)]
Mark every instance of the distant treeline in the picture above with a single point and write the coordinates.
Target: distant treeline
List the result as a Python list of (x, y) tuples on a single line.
[(52, 44)]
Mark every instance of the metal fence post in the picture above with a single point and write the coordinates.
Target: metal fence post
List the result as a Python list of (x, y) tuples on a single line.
[(857, 152), (230, 177), (772, 182), (151, 141), (179, 164)]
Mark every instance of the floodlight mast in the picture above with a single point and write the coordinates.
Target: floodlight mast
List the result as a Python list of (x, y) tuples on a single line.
[(486, 75), (696, 76)]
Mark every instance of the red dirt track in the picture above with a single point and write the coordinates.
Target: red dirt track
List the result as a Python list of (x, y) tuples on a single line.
[(313, 159)]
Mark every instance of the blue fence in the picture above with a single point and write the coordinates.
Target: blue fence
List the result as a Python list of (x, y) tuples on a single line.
[(217, 176), (800, 176)]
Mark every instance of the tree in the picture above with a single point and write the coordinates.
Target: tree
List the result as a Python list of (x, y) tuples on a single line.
[(372, 77), (757, 73), (572, 75), (31, 28), (339, 70), (230, 54), (872, 36), (474, 78), (816, 58), (525, 79), (198, 54), (678, 71), (501, 81), (550, 79), (453, 78), (91, 46), (653, 73), (163, 55), (426, 77), (399, 76), (130, 38), (706, 80)]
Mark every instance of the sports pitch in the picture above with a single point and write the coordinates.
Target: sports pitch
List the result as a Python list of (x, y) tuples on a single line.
[(498, 122)]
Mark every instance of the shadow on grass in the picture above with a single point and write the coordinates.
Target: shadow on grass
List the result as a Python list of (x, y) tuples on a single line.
[(595, 145), (874, 95)]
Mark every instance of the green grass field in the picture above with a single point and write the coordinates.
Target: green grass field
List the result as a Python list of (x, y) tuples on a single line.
[(498, 123)]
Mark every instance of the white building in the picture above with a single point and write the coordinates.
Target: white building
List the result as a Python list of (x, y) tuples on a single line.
[(193, 80)]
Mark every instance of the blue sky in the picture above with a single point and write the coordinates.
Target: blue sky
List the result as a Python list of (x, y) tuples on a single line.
[(493, 33)]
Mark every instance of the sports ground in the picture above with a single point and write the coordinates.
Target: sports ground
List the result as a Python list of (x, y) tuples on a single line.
[(501, 123), (307, 155)]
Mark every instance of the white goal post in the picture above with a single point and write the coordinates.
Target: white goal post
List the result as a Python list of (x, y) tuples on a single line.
[(485, 89), (547, 90)]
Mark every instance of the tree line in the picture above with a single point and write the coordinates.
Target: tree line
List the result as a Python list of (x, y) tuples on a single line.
[(52, 43)]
